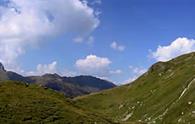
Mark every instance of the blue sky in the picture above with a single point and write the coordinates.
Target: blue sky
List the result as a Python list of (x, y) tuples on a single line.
[(120, 39)]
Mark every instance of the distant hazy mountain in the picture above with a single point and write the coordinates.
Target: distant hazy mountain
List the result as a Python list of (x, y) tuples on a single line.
[(8, 75), (70, 86)]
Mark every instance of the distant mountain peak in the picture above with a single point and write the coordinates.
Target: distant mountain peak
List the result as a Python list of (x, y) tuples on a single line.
[(51, 75), (70, 86), (2, 67)]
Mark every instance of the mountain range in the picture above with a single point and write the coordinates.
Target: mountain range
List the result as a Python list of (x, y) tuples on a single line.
[(163, 95), (69, 86)]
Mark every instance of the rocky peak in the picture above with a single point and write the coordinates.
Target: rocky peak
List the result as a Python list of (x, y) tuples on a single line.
[(2, 67), (51, 75)]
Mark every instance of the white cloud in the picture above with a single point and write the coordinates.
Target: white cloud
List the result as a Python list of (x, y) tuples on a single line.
[(96, 66), (69, 73), (176, 48), (78, 39), (97, 2), (89, 40), (118, 71), (50, 68), (93, 65), (44, 68), (136, 72), (116, 46), (27, 22)]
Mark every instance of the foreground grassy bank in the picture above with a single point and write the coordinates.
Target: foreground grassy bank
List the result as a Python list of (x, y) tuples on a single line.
[(21, 103)]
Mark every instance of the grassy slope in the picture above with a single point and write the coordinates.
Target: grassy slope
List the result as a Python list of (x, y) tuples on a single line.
[(20, 103), (153, 98)]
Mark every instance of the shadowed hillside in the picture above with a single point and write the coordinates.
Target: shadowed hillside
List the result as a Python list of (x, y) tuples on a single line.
[(69, 86), (22, 103)]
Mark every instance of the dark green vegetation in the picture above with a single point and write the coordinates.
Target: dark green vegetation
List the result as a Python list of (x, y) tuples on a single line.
[(163, 95), (22, 103), (69, 86)]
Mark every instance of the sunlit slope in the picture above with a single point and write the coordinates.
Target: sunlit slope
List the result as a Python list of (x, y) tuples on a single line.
[(165, 94), (21, 104)]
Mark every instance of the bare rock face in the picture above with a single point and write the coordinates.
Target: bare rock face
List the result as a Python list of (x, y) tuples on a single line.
[(2, 67)]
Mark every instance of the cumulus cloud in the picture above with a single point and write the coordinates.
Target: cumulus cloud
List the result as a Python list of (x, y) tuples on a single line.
[(96, 66), (44, 68), (136, 72), (97, 2), (118, 71), (25, 22), (93, 65), (89, 40), (176, 48), (116, 46), (78, 39), (50, 68), (69, 73)]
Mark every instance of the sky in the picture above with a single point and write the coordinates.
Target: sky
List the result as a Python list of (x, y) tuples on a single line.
[(117, 40)]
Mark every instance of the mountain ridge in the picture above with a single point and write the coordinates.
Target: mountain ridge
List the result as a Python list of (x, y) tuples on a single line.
[(70, 86), (162, 95)]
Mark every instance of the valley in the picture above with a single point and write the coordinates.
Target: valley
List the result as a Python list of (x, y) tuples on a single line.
[(162, 95)]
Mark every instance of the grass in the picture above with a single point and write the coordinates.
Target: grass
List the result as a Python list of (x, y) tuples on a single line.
[(163, 95), (22, 103), (152, 98)]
